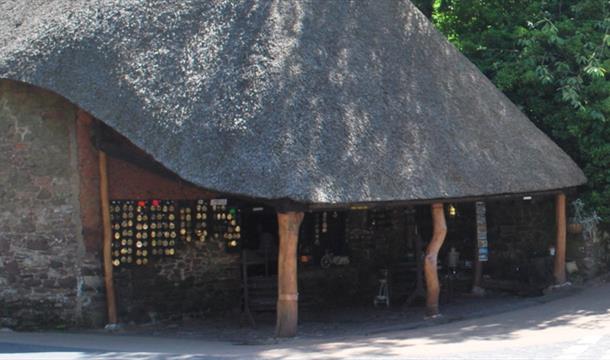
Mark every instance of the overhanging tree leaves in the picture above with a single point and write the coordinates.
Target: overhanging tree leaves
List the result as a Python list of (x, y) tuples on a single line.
[(552, 59)]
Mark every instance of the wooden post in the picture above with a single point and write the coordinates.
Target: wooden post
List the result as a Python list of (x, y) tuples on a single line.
[(560, 247), (439, 231), (478, 273), (287, 299), (246, 287), (110, 297)]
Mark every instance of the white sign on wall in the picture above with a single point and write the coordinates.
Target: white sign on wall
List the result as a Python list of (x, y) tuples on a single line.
[(482, 231)]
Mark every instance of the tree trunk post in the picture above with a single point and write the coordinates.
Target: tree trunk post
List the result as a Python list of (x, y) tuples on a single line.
[(560, 246), (439, 231), (287, 301), (107, 244), (478, 273)]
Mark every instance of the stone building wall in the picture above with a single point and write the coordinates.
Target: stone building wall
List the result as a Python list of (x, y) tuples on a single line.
[(521, 233), (200, 280), (47, 278), (377, 240)]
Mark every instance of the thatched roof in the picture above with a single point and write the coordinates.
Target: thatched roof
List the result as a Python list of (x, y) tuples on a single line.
[(315, 101)]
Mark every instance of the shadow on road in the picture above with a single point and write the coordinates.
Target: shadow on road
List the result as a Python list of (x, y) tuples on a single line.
[(585, 311)]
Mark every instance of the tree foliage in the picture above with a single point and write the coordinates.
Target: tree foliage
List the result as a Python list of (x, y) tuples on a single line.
[(551, 58)]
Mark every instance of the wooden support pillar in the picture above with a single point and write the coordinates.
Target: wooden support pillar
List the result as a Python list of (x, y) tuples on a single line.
[(287, 299), (478, 274), (439, 231), (107, 248), (560, 246)]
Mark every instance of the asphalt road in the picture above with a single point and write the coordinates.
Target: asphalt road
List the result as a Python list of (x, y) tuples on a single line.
[(574, 327)]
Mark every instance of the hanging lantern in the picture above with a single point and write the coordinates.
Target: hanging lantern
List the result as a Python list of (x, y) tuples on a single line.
[(452, 211)]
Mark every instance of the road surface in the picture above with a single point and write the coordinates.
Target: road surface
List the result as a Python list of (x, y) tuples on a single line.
[(574, 327)]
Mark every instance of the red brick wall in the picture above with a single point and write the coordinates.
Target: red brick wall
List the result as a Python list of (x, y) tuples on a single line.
[(128, 181), (125, 181)]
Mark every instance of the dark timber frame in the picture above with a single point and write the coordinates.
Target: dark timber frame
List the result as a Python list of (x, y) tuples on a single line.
[(107, 245), (560, 246)]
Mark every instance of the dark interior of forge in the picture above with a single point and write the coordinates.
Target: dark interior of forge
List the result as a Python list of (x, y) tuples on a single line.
[(343, 256), (346, 259)]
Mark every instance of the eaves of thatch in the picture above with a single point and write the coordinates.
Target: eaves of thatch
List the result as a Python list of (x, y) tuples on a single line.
[(333, 102)]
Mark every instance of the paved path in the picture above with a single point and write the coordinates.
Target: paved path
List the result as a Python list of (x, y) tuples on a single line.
[(575, 327)]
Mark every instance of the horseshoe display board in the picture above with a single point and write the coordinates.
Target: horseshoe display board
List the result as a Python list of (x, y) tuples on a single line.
[(146, 229)]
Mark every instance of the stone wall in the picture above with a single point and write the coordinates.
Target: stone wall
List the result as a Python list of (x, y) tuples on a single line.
[(521, 233), (377, 240), (200, 280), (374, 240), (587, 248), (47, 279)]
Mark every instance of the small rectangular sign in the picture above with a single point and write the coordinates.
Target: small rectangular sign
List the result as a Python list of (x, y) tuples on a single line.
[(218, 202), (482, 243), (483, 254)]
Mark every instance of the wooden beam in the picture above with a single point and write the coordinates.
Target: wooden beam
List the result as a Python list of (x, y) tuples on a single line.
[(439, 231), (107, 248), (287, 287), (560, 246), (401, 203)]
